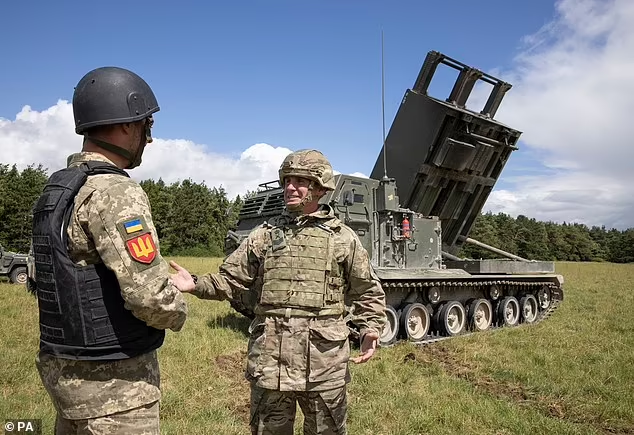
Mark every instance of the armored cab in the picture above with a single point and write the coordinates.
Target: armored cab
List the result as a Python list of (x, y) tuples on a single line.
[(432, 178)]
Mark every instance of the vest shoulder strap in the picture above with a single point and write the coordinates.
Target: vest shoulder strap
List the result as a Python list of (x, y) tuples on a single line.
[(96, 168)]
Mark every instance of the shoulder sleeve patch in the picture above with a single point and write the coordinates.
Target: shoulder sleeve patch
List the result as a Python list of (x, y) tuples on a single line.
[(142, 248), (133, 226), (139, 241)]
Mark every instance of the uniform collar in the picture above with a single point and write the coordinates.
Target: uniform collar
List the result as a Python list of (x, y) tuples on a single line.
[(86, 156), (325, 212)]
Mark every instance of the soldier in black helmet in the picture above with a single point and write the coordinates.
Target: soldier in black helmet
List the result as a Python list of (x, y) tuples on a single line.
[(104, 296), (114, 96)]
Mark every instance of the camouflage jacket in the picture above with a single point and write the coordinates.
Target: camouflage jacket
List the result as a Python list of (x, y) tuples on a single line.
[(88, 389), (301, 351)]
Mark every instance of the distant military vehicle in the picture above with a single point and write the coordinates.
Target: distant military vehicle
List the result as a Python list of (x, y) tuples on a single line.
[(13, 265), (446, 159)]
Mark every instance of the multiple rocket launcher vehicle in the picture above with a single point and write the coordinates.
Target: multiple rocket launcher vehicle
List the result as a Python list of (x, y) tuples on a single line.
[(445, 160)]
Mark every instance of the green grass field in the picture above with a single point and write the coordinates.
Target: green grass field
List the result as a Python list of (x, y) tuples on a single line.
[(572, 374)]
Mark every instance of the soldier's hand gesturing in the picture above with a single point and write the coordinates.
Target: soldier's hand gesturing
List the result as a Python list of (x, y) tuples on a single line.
[(182, 279), (368, 347)]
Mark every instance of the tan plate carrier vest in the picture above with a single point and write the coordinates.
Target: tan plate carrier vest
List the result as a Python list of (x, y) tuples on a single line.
[(301, 271)]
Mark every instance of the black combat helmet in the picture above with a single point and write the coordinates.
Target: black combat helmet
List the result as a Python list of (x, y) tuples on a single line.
[(111, 95)]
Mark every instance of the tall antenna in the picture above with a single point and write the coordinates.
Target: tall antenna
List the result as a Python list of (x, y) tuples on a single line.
[(383, 107)]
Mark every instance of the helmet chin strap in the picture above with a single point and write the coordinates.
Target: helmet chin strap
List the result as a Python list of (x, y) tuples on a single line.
[(133, 159)]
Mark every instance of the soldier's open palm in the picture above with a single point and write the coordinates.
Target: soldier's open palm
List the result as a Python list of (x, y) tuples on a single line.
[(368, 347), (182, 279)]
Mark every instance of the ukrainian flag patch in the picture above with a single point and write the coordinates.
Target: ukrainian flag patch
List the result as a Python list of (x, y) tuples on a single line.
[(133, 226)]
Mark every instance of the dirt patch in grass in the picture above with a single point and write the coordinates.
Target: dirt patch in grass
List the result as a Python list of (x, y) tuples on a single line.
[(468, 370), (231, 367)]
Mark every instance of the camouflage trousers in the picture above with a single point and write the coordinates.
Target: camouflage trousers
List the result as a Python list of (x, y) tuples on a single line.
[(273, 412), (143, 420)]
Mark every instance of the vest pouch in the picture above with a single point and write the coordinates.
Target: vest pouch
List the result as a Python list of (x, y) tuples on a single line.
[(295, 272)]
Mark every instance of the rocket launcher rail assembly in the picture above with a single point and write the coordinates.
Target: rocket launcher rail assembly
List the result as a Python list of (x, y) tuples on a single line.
[(444, 157)]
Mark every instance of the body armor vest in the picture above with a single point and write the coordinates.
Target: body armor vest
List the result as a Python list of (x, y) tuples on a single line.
[(301, 271), (82, 313)]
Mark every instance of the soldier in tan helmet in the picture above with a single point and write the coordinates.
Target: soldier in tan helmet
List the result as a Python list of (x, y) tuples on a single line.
[(303, 264)]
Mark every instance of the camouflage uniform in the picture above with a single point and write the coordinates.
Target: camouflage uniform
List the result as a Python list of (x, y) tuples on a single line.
[(300, 353), (120, 396)]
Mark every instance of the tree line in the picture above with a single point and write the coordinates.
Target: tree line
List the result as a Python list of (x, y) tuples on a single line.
[(536, 240), (192, 219)]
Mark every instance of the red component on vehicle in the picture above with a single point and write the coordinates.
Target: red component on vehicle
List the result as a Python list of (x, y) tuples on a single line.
[(406, 229)]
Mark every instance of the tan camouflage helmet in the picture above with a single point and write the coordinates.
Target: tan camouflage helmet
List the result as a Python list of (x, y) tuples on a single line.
[(309, 164)]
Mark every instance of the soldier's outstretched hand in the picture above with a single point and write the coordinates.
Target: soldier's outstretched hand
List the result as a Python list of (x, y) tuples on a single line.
[(368, 347), (182, 279)]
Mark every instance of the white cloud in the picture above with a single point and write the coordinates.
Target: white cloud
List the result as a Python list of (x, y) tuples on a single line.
[(570, 197), (48, 137), (354, 174), (45, 137), (572, 98), (179, 159), (359, 174)]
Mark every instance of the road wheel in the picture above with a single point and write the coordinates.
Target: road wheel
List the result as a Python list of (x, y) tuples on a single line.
[(480, 315), (508, 312), (452, 318), (389, 333), (528, 306), (415, 322), (544, 297), (18, 275)]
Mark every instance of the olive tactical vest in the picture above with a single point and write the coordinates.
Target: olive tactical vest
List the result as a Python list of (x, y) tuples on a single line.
[(82, 312), (300, 269)]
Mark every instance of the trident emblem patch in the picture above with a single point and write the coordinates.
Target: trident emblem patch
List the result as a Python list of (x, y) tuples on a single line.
[(142, 248)]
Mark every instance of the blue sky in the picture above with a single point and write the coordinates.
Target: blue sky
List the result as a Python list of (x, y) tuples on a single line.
[(230, 74), (291, 74)]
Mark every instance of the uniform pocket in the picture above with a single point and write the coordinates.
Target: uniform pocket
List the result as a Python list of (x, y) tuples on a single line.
[(257, 339), (329, 351)]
